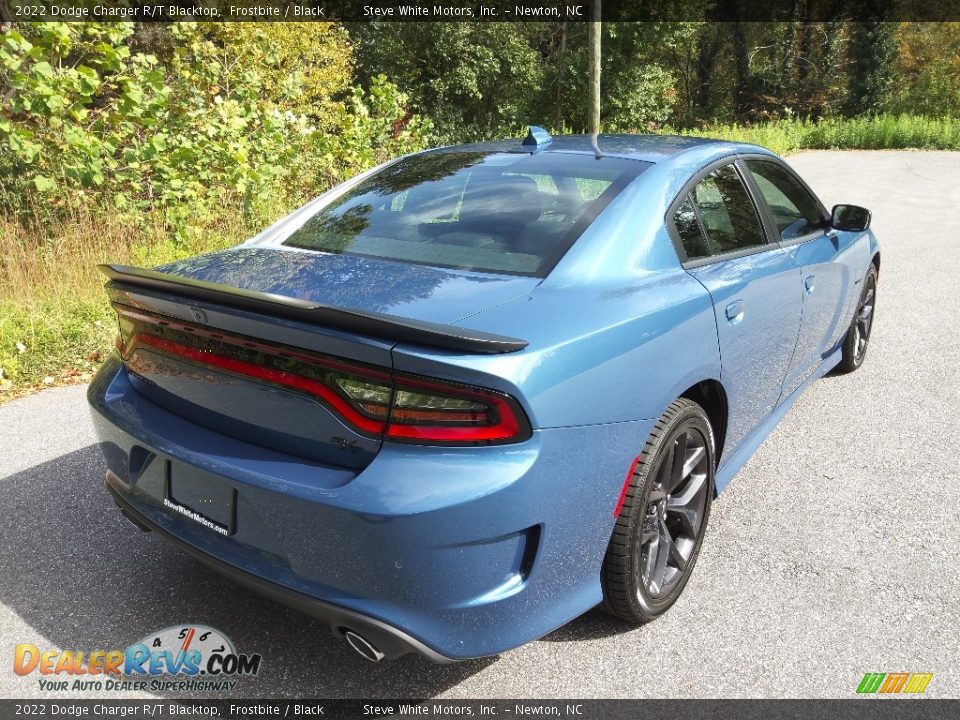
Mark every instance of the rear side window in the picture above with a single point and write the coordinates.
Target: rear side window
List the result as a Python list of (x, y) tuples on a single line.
[(726, 212), (795, 211), (515, 213), (688, 228)]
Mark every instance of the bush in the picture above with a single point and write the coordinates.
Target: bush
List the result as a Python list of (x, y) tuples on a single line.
[(226, 121)]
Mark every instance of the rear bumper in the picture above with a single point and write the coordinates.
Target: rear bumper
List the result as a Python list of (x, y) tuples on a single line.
[(451, 553), (392, 642)]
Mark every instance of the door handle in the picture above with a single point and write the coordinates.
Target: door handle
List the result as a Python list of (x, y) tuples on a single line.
[(735, 312), (809, 283)]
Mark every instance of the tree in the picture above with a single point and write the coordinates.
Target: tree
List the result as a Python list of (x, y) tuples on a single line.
[(872, 51), (928, 69), (638, 88), (474, 80)]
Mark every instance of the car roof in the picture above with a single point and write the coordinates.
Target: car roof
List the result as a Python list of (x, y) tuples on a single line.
[(649, 148)]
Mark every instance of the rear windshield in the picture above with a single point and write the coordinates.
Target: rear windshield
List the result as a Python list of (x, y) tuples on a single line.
[(502, 213)]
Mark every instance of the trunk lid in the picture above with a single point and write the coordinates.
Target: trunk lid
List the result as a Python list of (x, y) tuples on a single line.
[(306, 388), (354, 282)]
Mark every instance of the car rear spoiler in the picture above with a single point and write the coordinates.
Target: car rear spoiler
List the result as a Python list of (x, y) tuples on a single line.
[(379, 325)]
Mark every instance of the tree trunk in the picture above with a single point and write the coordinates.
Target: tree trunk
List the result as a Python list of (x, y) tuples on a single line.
[(708, 50), (742, 92)]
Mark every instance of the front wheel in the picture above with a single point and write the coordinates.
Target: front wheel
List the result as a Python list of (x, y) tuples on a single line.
[(858, 336), (661, 524)]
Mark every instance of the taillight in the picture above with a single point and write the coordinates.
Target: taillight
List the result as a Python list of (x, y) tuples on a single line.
[(434, 411), (373, 401)]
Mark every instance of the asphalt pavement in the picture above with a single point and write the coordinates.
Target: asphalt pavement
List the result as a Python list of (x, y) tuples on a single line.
[(834, 552)]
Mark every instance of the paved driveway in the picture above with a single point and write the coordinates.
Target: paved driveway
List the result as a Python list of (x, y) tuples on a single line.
[(834, 552)]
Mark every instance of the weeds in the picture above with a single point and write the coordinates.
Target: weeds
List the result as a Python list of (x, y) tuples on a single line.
[(55, 323), (875, 132)]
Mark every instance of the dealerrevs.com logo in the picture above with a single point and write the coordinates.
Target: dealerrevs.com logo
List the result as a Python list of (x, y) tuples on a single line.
[(188, 658)]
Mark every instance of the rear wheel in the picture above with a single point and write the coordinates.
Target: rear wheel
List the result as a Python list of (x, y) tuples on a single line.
[(858, 336), (661, 524)]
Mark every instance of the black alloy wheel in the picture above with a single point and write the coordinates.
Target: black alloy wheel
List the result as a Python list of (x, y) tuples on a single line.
[(858, 336), (660, 528)]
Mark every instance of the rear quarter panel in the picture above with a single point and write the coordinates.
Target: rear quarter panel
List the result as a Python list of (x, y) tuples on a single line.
[(596, 354)]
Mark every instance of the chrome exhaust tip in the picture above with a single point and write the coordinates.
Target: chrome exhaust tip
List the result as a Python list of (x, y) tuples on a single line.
[(362, 646)]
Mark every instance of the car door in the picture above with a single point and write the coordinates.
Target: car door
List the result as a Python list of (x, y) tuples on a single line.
[(824, 256), (755, 287)]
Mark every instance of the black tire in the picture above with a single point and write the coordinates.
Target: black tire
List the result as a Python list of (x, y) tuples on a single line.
[(857, 341), (633, 589)]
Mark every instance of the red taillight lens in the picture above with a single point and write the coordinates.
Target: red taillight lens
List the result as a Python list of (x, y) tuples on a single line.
[(433, 411), (405, 408)]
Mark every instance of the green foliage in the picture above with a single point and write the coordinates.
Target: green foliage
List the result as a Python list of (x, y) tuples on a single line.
[(228, 119), (371, 127), (72, 92), (877, 132), (41, 341), (473, 80), (885, 132), (637, 88), (483, 80), (872, 51), (306, 67), (928, 69), (154, 146)]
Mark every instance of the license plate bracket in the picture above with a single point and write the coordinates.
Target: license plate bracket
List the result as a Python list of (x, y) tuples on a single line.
[(202, 498)]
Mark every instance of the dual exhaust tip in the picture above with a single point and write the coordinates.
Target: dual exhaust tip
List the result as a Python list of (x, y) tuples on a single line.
[(363, 647)]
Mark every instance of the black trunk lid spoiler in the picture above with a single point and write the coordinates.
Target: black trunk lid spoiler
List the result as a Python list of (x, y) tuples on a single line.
[(378, 325)]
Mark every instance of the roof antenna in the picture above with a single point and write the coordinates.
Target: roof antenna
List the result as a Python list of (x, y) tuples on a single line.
[(537, 138)]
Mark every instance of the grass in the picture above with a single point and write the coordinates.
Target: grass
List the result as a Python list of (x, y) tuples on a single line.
[(878, 132), (56, 325)]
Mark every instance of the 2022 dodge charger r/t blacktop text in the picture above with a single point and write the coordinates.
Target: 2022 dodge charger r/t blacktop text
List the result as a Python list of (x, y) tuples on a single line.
[(461, 399)]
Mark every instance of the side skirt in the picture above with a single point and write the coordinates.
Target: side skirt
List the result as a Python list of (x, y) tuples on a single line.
[(748, 447)]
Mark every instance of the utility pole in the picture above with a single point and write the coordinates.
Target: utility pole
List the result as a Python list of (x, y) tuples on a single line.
[(593, 42)]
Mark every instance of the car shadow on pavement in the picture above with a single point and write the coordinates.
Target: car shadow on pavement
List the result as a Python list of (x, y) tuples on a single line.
[(594, 624), (84, 578)]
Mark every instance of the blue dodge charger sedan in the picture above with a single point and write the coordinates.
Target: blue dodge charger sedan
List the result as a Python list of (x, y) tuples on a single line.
[(470, 394)]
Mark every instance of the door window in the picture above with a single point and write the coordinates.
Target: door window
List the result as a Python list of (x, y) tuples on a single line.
[(728, 220), (795, 211)]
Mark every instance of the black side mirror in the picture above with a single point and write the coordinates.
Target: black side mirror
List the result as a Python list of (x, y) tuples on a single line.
[(850, 217)]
